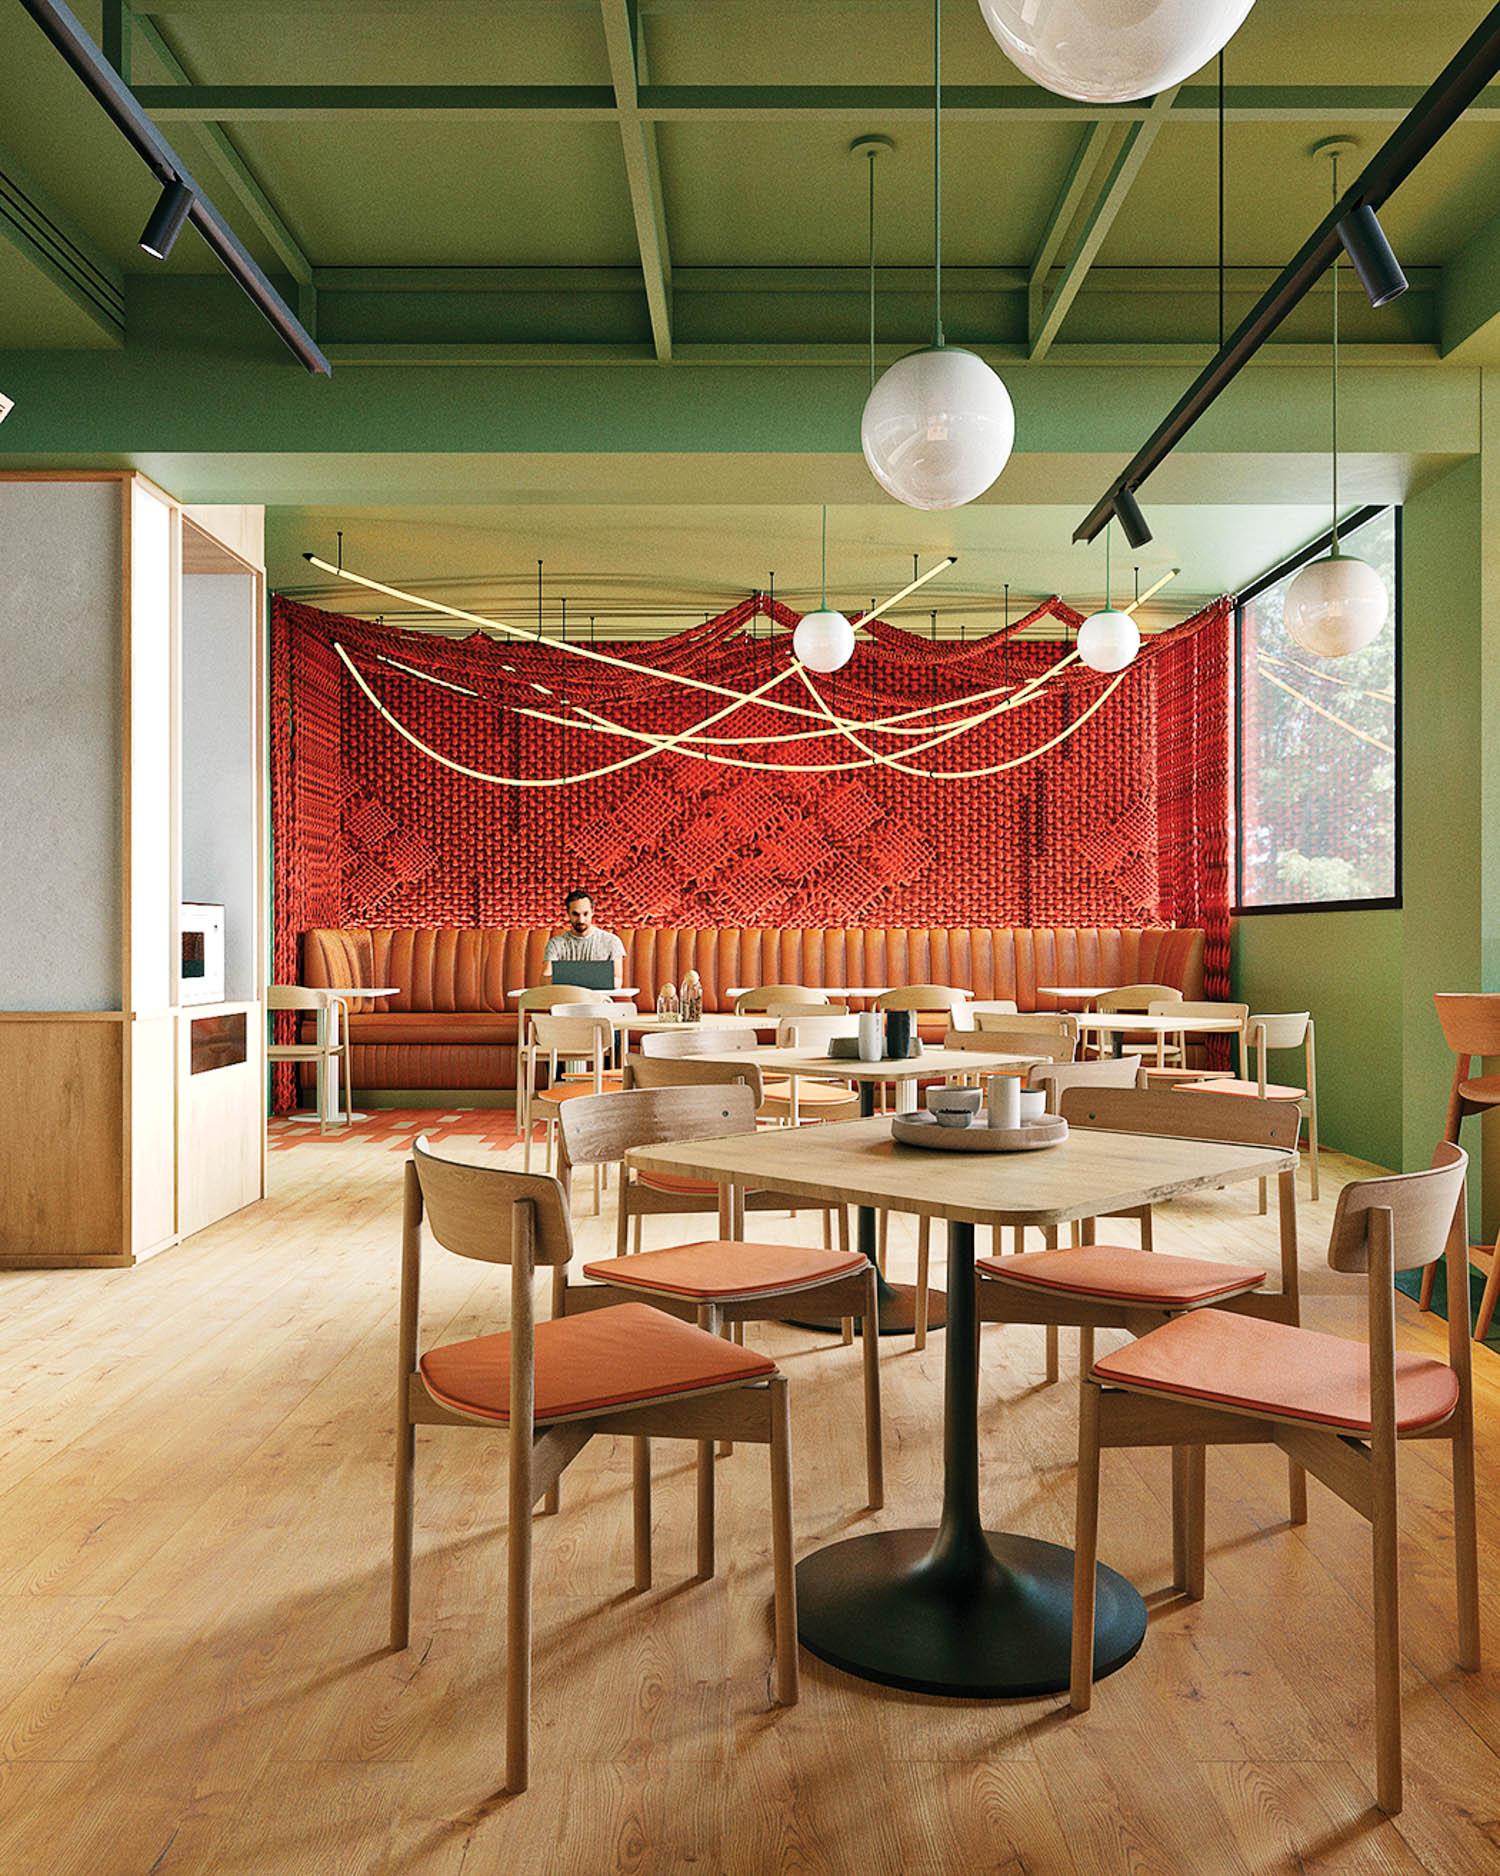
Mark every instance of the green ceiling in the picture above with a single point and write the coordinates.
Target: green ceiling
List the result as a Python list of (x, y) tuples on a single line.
[(498, 218)]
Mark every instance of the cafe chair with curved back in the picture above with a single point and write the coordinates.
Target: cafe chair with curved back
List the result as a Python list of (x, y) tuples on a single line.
[(329, 1049), (544, 997), (1133, 1000), (551, 1386), (1471, 1027), (647, 1195), (1263, 1033), (1221, 1012), (726, 1280), (753, 1002), (1337, 1406), (813, 1100), (992, 1022), (555, 1040), (807, 1098)]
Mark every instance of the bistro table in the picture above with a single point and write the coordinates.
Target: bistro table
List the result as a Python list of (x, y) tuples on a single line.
[(959, 1610), (898, 1309), (1161, 1027)]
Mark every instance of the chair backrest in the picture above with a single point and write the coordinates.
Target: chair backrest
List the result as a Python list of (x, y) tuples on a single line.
[(1227, 1012), (764, 995), (1027, 1023), (651, 1071), (571, 1035), (1135, 999), (922, 997), (1471, 1023), (994, 1006), (1055, 1078), (1285, 1031), (544, 996), (813, 1032), (295, 997), (1238, 1119), (1046, 1045), (778, 1010), (611, 1012), (598, 1129), (496, 1216), (711, 1040), (1422, 1207)]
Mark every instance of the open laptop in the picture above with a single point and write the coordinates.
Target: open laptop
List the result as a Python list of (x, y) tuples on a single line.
[(586, 973)]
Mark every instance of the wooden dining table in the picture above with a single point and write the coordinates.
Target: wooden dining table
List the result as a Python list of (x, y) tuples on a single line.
[(1119, 1025), (955, 1609), (898, 1307)]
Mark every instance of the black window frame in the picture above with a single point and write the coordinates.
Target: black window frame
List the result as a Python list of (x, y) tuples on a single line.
[(1323, 545)]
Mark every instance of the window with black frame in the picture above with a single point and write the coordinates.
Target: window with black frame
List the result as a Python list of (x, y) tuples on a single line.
[(1318, 803)]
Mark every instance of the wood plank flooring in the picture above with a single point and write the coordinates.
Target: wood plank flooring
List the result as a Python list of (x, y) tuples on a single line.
[(195, 1483)]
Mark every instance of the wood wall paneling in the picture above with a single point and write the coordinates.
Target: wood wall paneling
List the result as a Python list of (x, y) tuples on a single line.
[(62, 1142)]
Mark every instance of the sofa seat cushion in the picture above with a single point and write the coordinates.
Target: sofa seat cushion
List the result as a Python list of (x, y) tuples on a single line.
[(436, 1026)]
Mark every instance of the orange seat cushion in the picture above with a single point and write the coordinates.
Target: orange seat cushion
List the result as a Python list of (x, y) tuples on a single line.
[(590, 1363), (1232, 1085), (725, 1269), (1117, 1273), (1484, 1089), (690, 1188), (1274, 1368), (810, 1093), (571, 1090)]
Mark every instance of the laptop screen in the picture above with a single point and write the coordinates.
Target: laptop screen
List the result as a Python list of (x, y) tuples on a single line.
[(586, 973)]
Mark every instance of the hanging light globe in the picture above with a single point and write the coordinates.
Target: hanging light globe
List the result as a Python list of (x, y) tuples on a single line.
[(1110, 51), (824, 641), (937, 428), (1335, 606), (1108, 641)]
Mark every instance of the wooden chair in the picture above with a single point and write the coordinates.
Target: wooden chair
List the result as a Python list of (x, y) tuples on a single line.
[(551, 1386), (545, 997), (1224, 1012), (1263, 1033), (1471, 1026), (647, 1195), (1132, 1000), (807, 1099), (821, 1100), (760, 999), (992, 1022), (1336, 1406), (560, 1039), (329, 1051), (725, 1281)]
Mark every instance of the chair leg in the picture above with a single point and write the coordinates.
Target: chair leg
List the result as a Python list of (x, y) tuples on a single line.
[(1312, 1145), (784, 1576), (1296, 1491), (1085, 1550), (640, 1480), (882, 1239), (1489, 1299), (924, 1271), (1196, 1520), (1052, 1361), (705, 1509), (1466, 1551), (1386, 1601), (874, 1443), (846, 1325), (518, 1632), (401, 1546)]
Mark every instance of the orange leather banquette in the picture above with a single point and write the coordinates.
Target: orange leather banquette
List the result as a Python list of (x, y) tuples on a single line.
[(452, 1025)]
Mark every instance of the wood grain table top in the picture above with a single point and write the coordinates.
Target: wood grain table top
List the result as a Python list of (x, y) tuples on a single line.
[(931, 1062)]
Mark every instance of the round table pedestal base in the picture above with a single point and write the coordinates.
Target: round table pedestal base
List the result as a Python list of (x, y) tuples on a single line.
[(883, 1608), (898, 1312)]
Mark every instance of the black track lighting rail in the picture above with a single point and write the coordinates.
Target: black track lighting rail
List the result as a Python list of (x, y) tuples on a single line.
[(1440, 107), (110, 90)]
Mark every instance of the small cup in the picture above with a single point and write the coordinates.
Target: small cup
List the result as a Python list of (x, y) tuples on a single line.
[(1033, 1105), (1005, 1103), (872, 1035), (954, 1107)]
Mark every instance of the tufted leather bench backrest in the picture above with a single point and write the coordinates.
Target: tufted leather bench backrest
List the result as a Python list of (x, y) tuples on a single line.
[(447, 970)]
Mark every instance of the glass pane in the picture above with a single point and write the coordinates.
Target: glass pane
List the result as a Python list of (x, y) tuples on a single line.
[(1318, 753)]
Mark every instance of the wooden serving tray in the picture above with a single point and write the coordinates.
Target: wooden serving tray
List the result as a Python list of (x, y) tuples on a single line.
[(924, 1130)]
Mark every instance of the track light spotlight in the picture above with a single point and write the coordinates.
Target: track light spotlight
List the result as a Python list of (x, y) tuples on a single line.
[(160, 234), (1132, 521), (7, 405), (1370, 253)]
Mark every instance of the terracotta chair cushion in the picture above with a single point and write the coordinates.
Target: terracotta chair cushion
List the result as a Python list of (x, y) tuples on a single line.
[(1273, 1368), (1484, 1089), (1120, 1273), (810, 1093), (571, 1090), (590, 1363), (724, 1269), (689, 1188)]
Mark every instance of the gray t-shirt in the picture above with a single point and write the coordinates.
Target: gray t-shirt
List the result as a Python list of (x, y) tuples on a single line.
[(594, 946)]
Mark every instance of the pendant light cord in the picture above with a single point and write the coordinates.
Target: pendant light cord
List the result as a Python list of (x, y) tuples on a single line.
[(871, 159), (825, 558), (1109, 528), (1221, 201), (1335, 525), (937, 171)]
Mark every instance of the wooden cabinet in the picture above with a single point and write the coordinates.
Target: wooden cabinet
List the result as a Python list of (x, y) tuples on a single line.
[(132, 755)]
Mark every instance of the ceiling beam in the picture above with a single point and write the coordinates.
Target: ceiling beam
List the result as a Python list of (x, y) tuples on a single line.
[(222, 153), (642, 168), (1000, 104), (42, 234), (1065, 209), (1099, 218), (825, 354), (1469, 300)]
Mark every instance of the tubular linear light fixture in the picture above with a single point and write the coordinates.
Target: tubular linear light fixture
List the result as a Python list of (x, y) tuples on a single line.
[(1456, 87), (1132, 521), (159, 236), (1370, 256), (1104, 53), (120, 104), (938, 427), (7, 405)]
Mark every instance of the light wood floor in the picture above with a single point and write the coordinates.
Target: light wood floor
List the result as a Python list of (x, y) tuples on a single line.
[(194, 1531)]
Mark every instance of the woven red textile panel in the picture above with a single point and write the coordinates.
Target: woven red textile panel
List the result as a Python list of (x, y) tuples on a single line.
[(1124, 822)]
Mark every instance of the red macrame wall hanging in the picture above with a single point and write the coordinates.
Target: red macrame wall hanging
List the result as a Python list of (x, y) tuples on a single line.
[(1121, 822)]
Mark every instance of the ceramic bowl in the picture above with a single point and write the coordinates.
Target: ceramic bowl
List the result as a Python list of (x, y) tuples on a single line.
[(954, 1107)]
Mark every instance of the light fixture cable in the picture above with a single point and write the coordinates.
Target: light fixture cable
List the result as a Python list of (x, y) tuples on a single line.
[(937, 173)]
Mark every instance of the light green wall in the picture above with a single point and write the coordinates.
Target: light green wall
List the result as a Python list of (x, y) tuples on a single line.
[(1346, 968)]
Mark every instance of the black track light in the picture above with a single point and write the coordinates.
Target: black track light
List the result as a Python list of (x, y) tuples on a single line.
[(159, 236), (1370, 253), (1132, 521)]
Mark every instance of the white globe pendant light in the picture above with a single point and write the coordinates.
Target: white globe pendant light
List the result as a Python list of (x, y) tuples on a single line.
[(1110, 51), (938, 426), (1108, 640), (1337, 605), (824, 641)]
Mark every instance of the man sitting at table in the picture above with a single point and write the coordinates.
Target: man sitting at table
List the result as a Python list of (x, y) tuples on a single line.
[(583, 942)]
